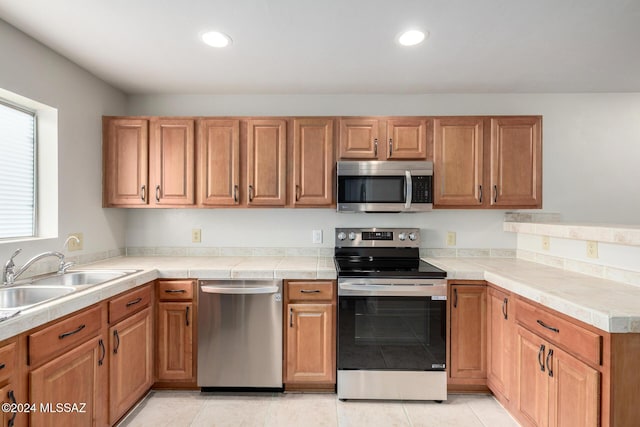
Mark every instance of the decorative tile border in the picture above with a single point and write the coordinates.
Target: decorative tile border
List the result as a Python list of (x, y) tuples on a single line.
[(531, 217), (467, 252), (622, 235), (589, 269)]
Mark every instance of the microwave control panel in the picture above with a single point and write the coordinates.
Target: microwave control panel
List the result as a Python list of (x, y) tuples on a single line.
[(422, 189)]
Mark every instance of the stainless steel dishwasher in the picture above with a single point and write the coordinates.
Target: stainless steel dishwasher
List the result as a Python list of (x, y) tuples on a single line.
[(240, 334)]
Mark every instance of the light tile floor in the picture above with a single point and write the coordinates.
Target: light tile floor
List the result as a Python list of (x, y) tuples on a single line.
[(191, 408)]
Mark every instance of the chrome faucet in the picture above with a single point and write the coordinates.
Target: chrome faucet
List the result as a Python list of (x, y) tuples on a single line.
[(10, 274)]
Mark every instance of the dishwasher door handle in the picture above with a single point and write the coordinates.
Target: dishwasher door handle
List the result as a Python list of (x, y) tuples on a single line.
[(208, 289)]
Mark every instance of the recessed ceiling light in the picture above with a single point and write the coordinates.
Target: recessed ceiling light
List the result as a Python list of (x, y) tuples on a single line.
[(411, 38), (216, 39)]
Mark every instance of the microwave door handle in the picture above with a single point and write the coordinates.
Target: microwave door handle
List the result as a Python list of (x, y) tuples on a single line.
[(408, 190)]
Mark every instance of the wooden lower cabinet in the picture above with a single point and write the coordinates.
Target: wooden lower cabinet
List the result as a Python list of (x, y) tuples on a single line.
[(174, 351), (131, 362), (8, 395), (554, 388), (468, 333), (77, 377), (310, 344), (310, 335), (499, 343)]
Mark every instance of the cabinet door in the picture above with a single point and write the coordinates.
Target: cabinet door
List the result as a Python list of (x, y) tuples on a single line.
[(125, 154), (500, 360), (468, 331), (266, 162), (310, 338), (313, 165), (532, 380), (516, 162), (575, 391), (130, 373), (175, 341), (359, 139), (77, 377), (458, 162), (406, 139), (8, 395), (219, 162), (171, 162)]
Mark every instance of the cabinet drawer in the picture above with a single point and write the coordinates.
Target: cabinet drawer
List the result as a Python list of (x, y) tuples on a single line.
[(7, 360), (129, 303), (310, 290), (64, 335), (575, 339), (172, 290)]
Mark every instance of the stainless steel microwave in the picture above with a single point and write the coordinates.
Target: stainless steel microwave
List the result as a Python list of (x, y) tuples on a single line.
[(385, 186)]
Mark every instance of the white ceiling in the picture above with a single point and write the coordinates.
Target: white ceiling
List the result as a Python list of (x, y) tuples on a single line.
[(343, 46)]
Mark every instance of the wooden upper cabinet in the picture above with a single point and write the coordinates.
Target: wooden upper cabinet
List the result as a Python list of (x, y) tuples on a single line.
[(458, 162), (218, 162), (406, 139), (125, 158), (516, 162), (266, 162), (313, 163), (359, 139), (171, 161)]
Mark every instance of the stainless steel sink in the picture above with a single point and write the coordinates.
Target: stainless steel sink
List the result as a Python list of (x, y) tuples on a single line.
[(45, 288), (82, 278), (19, 297)]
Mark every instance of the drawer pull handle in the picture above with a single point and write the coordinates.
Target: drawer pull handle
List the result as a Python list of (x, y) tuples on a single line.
[(134, 302), (495, 194), (75, 331), (480, 191), (117, 337), (143, 192), (12, 397), (309, 291), (455, 298), (2, 365), (186, 316), (390, 147), (290, 317), (541, 357), (104, 352), (157, 193), (504, 308), (551, 328), (175, 291), (549, 356), (251, 193), (375, 147), (297, 193), (235, 193)]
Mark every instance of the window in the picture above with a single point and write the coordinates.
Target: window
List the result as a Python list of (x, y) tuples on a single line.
[(17, 172)]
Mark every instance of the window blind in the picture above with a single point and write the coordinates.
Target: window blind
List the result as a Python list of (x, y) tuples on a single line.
[(17, 172)]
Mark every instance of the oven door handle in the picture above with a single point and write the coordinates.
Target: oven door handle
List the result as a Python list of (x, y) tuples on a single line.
[(438, 291), (408, 190), (238, 290)]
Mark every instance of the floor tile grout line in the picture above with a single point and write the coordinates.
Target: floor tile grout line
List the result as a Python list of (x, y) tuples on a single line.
[(406, 413)]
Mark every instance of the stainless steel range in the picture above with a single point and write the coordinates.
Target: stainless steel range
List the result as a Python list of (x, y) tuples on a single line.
[(391, 317)]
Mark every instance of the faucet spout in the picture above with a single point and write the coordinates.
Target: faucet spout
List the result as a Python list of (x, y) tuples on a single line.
[(10, 274)]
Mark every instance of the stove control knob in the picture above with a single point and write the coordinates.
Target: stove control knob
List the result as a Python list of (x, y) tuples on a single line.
[(412, 236), (352, 236), (402, 236), (341, 235)]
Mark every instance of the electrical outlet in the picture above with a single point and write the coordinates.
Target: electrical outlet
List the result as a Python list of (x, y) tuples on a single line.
[(196, 235), (545, 243), (592, 249), (317, 236), (73, 244), (451, 238)]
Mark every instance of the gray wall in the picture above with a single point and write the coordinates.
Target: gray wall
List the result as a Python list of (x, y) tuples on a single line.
[(36, 72)]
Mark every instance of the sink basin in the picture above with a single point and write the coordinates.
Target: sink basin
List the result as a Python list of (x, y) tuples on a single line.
[(19, 297), (81, 278)]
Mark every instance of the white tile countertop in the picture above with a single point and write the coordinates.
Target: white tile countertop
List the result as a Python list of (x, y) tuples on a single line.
[(152, 268), (608, 305)]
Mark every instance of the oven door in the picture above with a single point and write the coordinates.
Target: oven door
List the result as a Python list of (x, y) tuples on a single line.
[(386, 331)]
